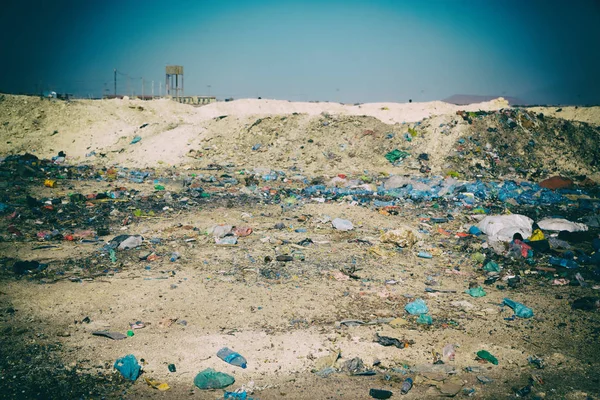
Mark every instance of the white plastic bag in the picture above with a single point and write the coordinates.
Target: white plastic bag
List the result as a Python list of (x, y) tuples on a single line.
[(501, 228)]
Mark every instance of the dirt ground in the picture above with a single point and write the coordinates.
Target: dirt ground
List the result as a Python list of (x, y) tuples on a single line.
[(340, 290)]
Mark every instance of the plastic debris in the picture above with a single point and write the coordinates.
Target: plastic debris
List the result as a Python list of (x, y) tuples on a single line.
[(417, 307), (449, 352), (342, 224), (406, 386), (536, 236), (424, 254), (162, 386), (425, 319), (503, 227), (231, 357), (476, 292), (560, 224), (128, 367), (491, 267), (487, 356), (395, 156), (520, 310), (390, 341), (380, 394), (211, 379)]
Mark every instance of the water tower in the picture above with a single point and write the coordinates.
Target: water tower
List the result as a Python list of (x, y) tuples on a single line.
[(174, 81)]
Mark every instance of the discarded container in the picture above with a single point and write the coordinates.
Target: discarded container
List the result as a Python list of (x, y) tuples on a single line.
[(136, 139), (406, 386), (417, 307), (128, 367), (50, 183), (519, 309), (231, 357), (211, 379), (424, 254), (486, 355)]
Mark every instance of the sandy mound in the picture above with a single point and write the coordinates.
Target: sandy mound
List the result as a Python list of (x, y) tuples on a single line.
[(309, 138)]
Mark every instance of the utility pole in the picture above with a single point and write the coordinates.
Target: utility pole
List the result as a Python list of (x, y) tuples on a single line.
[(159, 88), (115, 82), (152, 89), (142, 88)]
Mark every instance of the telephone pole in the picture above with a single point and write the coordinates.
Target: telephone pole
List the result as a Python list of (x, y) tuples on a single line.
[(142, 88), (115, 82), (153, 90)]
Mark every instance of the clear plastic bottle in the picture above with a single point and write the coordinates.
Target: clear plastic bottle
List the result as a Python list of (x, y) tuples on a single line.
[(231, 357)]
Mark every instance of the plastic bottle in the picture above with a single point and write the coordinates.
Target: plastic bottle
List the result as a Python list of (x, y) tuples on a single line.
[(406, 386), (231, 357), (174, 257)]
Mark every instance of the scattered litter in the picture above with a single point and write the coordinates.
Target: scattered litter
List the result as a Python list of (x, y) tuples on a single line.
[(110, 335), (128, 367), (211, 379)]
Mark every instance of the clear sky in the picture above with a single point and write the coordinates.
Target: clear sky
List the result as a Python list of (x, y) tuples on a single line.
[(351, 51)]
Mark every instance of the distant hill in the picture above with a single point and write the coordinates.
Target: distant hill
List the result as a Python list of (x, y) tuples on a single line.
[(464, 99)]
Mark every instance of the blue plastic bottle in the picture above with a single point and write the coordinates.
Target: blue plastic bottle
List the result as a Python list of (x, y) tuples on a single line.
[(231, 357)]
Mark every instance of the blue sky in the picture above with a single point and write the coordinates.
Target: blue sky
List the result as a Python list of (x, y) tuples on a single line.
[(350, 51)]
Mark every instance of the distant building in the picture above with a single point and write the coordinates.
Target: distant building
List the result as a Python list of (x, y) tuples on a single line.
[(195, 100)]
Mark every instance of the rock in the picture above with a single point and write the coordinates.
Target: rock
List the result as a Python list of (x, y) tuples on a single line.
[(451, 387), (404, 236), (219, 231)]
